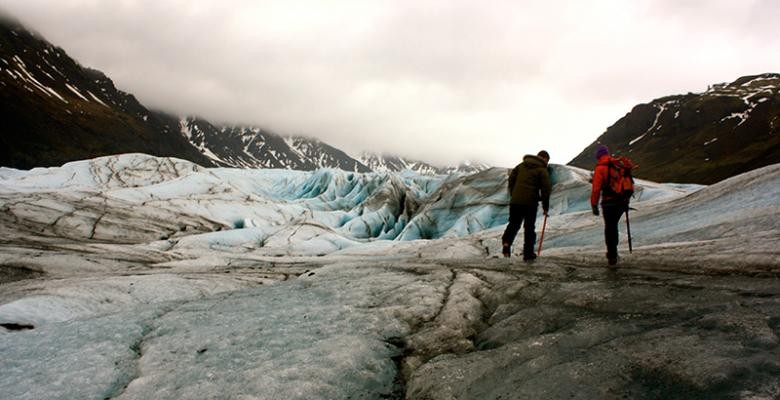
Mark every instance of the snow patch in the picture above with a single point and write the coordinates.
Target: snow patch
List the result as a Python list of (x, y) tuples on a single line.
[(743, 116), (31, 79), (653, 127), (75, 91), (97, 99)]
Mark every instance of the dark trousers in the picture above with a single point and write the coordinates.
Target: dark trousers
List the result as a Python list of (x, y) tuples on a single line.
[(612, 213), (525, 216)]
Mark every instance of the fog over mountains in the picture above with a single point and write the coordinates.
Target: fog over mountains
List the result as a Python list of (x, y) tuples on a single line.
[(55, 111), (165, 256), (252, 147)]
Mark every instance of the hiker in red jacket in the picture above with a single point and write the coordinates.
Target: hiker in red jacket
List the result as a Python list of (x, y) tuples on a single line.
[(613, 206)]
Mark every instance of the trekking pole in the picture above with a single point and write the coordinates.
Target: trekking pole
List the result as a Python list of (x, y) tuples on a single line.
[(628, 230), (541, 240)]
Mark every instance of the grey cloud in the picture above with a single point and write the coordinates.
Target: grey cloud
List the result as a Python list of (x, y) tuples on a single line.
[(441, 80)]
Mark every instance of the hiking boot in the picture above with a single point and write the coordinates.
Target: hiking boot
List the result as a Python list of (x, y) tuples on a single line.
[(611, 260), (529, 257), (506, 250)]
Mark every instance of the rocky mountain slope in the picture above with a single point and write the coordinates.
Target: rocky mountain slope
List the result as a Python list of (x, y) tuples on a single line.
[(700, 137), (53, 110), (252, 147)]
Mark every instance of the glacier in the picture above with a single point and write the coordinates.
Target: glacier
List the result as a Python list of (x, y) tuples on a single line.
[(136, 277)]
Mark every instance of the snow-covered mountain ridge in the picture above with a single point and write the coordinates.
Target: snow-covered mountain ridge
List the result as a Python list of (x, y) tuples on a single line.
[(253, 147), (55, 111), (391, 163), (700, 137)]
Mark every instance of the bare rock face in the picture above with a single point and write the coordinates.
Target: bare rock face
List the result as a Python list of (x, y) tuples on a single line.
[(699, 138)]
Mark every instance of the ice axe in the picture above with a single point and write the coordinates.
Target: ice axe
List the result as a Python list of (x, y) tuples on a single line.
[(628, 231), (541, 240)]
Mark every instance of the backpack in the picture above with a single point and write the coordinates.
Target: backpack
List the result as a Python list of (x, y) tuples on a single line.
[(620, 182)]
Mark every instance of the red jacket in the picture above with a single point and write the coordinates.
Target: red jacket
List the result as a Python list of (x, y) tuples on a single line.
[(600, 177)]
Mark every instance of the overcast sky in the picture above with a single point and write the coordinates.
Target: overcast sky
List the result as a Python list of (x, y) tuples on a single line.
[(436, 80)]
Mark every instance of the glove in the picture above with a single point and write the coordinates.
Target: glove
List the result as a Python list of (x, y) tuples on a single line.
[(595, 210), (546, 213)]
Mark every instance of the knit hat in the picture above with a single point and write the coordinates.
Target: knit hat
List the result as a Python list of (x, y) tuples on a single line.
[(601, 150)]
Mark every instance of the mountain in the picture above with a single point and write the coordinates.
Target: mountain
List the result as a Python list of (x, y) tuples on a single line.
[(251, 147), (53, 110), (254, 147), (466, 167), (393, 163), (700, 137)]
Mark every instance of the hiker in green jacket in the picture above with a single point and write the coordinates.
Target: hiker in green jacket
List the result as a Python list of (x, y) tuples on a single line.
[(529, 183)]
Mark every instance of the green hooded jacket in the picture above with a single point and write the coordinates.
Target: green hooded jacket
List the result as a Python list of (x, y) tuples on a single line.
[(529, 183)]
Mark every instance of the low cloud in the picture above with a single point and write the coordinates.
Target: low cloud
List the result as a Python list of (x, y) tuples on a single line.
[(440, 80)]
